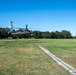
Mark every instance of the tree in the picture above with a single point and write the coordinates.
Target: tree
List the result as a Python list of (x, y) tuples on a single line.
[(66, 34), (3, 33), (59, 34), (47, 34), (53, 35), (20, 30), (37, 34)]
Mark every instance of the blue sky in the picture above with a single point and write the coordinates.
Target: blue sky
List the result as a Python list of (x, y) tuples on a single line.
[(43, 15)]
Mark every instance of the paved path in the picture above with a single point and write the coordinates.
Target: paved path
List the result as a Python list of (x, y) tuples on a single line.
[(71, 69)]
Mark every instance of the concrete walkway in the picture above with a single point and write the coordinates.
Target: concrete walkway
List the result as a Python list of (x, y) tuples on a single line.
[(71, 69)]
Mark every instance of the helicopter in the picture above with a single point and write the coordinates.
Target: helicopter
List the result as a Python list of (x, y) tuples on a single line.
[(20, 32)]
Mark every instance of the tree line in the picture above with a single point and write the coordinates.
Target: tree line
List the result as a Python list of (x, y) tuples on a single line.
[(3, 33), (64, 34)]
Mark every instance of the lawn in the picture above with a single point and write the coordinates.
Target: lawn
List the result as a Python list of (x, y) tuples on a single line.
[(24, 57), (63, 48)]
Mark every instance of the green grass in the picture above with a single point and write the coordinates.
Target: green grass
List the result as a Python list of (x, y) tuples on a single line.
[(24, 57), (63, 48)]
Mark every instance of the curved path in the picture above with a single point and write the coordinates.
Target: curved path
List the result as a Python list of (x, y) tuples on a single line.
[(71, 69)]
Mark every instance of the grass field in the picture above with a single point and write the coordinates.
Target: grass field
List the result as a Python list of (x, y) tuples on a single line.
[(63, 48), (24, 57)]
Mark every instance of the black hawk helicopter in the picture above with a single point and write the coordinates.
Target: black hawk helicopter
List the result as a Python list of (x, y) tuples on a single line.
[(20, 33)]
